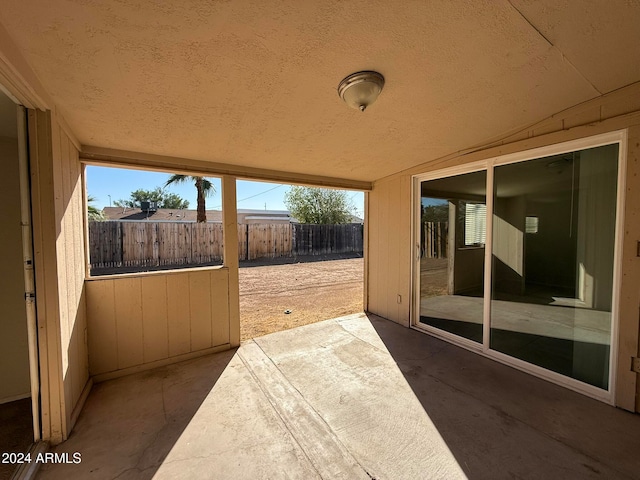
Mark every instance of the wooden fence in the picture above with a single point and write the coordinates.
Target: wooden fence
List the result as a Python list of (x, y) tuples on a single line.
[(434, 239), (116, 244), (261, 240), (323, 239)]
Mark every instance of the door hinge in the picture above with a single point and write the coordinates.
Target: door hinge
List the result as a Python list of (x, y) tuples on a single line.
[(29, 296), (635, 364)]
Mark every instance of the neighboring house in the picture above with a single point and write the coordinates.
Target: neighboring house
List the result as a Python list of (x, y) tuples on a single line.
[(250, 216), (245, 216), (128, 214), (520, 116)]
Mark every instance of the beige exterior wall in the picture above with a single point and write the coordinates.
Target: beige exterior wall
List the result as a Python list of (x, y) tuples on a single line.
[(70, 217), (141, 321), (389, 219), (628, 382), (59, 258), (14, 350), (388, 241)]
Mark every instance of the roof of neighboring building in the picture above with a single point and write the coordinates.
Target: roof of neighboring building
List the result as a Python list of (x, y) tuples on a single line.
[(254, 211), (213, 216), (160, 215)]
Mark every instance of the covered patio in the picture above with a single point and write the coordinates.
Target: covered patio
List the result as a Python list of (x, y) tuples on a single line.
[(352, 397), (145, 375)]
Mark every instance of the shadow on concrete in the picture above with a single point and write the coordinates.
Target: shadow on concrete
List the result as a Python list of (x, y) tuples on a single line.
[(258, 262), (503, 423), (339, 386), (129, 425)]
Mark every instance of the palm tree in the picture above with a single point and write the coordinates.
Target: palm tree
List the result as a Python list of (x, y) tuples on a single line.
[(204, 187), (92, 211)]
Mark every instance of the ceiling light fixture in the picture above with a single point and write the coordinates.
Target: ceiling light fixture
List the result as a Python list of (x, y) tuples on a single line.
[(360, 89)]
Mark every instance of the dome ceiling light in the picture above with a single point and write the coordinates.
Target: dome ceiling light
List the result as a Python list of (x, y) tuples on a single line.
[(360, 89)]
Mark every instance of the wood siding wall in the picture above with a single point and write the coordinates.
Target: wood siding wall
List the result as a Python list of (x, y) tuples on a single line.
[(628, 381), (59, 258), (71, 266), (389, 262), (389, 218), (141, 321)]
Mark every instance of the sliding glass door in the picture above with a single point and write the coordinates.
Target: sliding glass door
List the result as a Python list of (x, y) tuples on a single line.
[(527, 274), (452, 237), (552, 262)]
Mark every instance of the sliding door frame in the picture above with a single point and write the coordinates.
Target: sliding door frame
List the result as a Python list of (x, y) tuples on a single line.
[(416, 227), (616, 137)]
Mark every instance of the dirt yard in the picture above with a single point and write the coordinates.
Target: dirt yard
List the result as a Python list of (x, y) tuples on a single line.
[(311, 291), (433, 277)]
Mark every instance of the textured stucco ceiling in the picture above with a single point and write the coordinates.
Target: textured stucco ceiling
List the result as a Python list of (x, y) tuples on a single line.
[(254, 83)]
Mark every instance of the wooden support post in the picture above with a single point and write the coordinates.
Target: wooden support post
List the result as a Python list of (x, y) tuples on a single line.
[(230, 254), (42, 145)]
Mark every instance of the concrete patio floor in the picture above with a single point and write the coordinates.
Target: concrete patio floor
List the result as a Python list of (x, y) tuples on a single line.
[(353, 397)]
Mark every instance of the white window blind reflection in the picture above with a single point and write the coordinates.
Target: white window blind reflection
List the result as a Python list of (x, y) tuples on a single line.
[(475, 224)]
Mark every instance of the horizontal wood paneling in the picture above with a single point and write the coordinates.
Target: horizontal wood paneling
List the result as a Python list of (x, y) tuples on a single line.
[(155, 317)]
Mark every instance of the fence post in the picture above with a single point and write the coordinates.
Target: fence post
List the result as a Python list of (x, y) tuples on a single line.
[(246, 234)]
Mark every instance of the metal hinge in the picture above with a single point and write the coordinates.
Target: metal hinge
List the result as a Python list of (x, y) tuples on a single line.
[(635, 364), (29, 296)]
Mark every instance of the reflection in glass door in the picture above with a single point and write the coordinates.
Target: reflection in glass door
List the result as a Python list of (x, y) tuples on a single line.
[(452, 242), (552, 262), (549, 299)]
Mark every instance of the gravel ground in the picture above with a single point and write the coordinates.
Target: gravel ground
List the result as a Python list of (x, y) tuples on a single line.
[(311, 291)]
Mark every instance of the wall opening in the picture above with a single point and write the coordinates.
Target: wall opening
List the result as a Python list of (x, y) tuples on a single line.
[(141, 220), (300, 260)]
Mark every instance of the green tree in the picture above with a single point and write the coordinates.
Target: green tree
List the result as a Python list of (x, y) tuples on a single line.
[(93, 213), (318, 205), (173, 200), (435, 213), (158, 195), (204, 189)]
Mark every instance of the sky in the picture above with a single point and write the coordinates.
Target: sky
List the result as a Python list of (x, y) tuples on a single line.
[(107, 184)]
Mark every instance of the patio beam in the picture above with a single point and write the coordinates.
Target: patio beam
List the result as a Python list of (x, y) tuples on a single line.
[(146, 161)]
